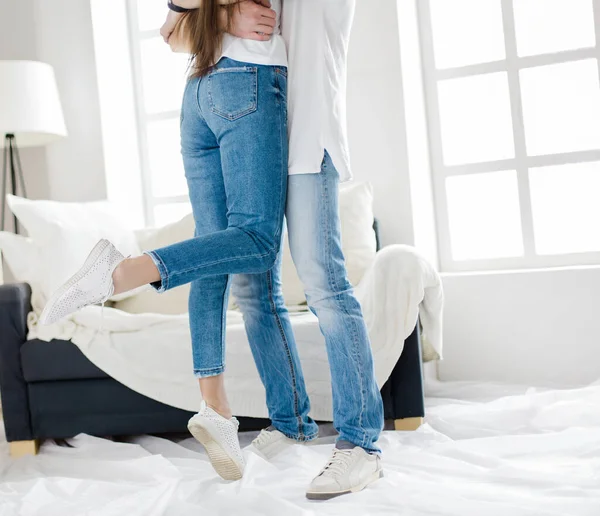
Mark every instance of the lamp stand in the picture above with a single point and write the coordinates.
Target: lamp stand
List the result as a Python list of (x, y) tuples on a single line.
[(11, 164)]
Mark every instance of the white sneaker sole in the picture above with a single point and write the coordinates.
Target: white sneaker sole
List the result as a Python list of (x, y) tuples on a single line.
[(89, 262), (326, 495), (225, 466)]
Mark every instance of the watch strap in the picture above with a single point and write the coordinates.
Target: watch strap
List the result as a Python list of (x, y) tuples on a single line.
[(177, 8)]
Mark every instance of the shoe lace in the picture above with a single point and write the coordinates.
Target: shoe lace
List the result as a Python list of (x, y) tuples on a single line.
[(264, 437), (338, 464)]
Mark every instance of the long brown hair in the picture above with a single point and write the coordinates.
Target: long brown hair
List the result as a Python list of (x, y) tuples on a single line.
[(203, 30)]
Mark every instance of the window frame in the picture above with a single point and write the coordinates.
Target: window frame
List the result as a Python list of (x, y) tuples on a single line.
[(143, 119), (511, 65)]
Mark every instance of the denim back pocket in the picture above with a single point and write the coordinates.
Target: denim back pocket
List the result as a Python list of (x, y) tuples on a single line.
[(232, 92)]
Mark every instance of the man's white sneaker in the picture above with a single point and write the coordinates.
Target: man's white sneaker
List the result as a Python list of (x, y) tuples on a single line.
[(219, 436), (348, 471), (91, 285), (271, 442)]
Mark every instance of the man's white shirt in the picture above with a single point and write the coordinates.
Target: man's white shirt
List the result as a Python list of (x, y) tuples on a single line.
[(317, 33)]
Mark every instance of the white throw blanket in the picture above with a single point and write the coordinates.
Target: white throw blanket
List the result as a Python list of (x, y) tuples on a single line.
[(151, 353)]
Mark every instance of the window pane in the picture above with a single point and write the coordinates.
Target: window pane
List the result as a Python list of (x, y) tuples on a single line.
[(151, 14), (546, 26), (484, 215), (164, 154), (476, 121), (163, 75), (166, 213), (467, 32), (566, 211), (561, 107)]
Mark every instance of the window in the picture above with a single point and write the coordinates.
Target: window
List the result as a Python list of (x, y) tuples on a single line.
[(159, 78), (513, 101)]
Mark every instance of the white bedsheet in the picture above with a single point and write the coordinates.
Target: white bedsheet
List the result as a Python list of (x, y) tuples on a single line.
[(151, 353), (528, 453)]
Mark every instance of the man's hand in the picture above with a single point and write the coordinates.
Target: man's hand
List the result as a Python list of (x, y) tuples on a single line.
[(167, 29), (250, 20), (253, 20)]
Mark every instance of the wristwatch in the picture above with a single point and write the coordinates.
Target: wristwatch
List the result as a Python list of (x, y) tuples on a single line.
[(177, 8)]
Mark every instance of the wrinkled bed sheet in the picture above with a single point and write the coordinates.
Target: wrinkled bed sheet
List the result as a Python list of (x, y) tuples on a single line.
[(486, 450)]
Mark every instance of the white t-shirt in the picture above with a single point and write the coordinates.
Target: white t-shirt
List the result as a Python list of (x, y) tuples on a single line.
[(316, 34), (270, 52)]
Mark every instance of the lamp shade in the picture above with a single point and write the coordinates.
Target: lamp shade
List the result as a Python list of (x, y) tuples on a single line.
[(29, 103)]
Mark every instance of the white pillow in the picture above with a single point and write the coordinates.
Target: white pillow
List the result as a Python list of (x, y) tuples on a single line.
[(358, 236), (21, 256), (358, 240), (65, 233), (171, 302)]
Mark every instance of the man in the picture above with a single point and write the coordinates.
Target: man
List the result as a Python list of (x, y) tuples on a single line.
[(316, 34)]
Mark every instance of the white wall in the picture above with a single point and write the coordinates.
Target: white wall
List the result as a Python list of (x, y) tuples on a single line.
[(65, 40), (59, 32), (376, 128), (387, 121), (530, 327), (18, 40)]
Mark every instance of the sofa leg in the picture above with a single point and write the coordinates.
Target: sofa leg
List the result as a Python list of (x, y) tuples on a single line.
[(407, 424), (22, 448)]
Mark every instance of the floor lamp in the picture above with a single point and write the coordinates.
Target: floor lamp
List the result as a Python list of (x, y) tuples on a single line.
[(30, 116)]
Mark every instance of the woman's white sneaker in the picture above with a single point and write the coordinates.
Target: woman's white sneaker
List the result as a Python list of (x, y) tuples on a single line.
[(347, 471), (219, 436), (91, 285)]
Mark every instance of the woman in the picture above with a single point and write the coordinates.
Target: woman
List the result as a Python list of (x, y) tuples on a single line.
[(235, 152)]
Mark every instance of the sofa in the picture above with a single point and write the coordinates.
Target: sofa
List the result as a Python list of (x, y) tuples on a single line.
[(50, 389)]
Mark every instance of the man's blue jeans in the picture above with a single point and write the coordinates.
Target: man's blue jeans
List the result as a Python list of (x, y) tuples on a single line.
[(315, 243), (235, 152)]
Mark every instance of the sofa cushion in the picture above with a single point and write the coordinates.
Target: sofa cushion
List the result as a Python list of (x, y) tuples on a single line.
[(56, 360), (65, 232)]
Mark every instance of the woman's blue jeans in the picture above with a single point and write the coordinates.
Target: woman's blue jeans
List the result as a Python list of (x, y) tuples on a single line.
[(235, 153)]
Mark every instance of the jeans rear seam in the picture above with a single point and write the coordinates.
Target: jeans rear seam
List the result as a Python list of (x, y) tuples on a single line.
[(287, 351), (197, 98), (334, 287), (283, 137), (224, 319)]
